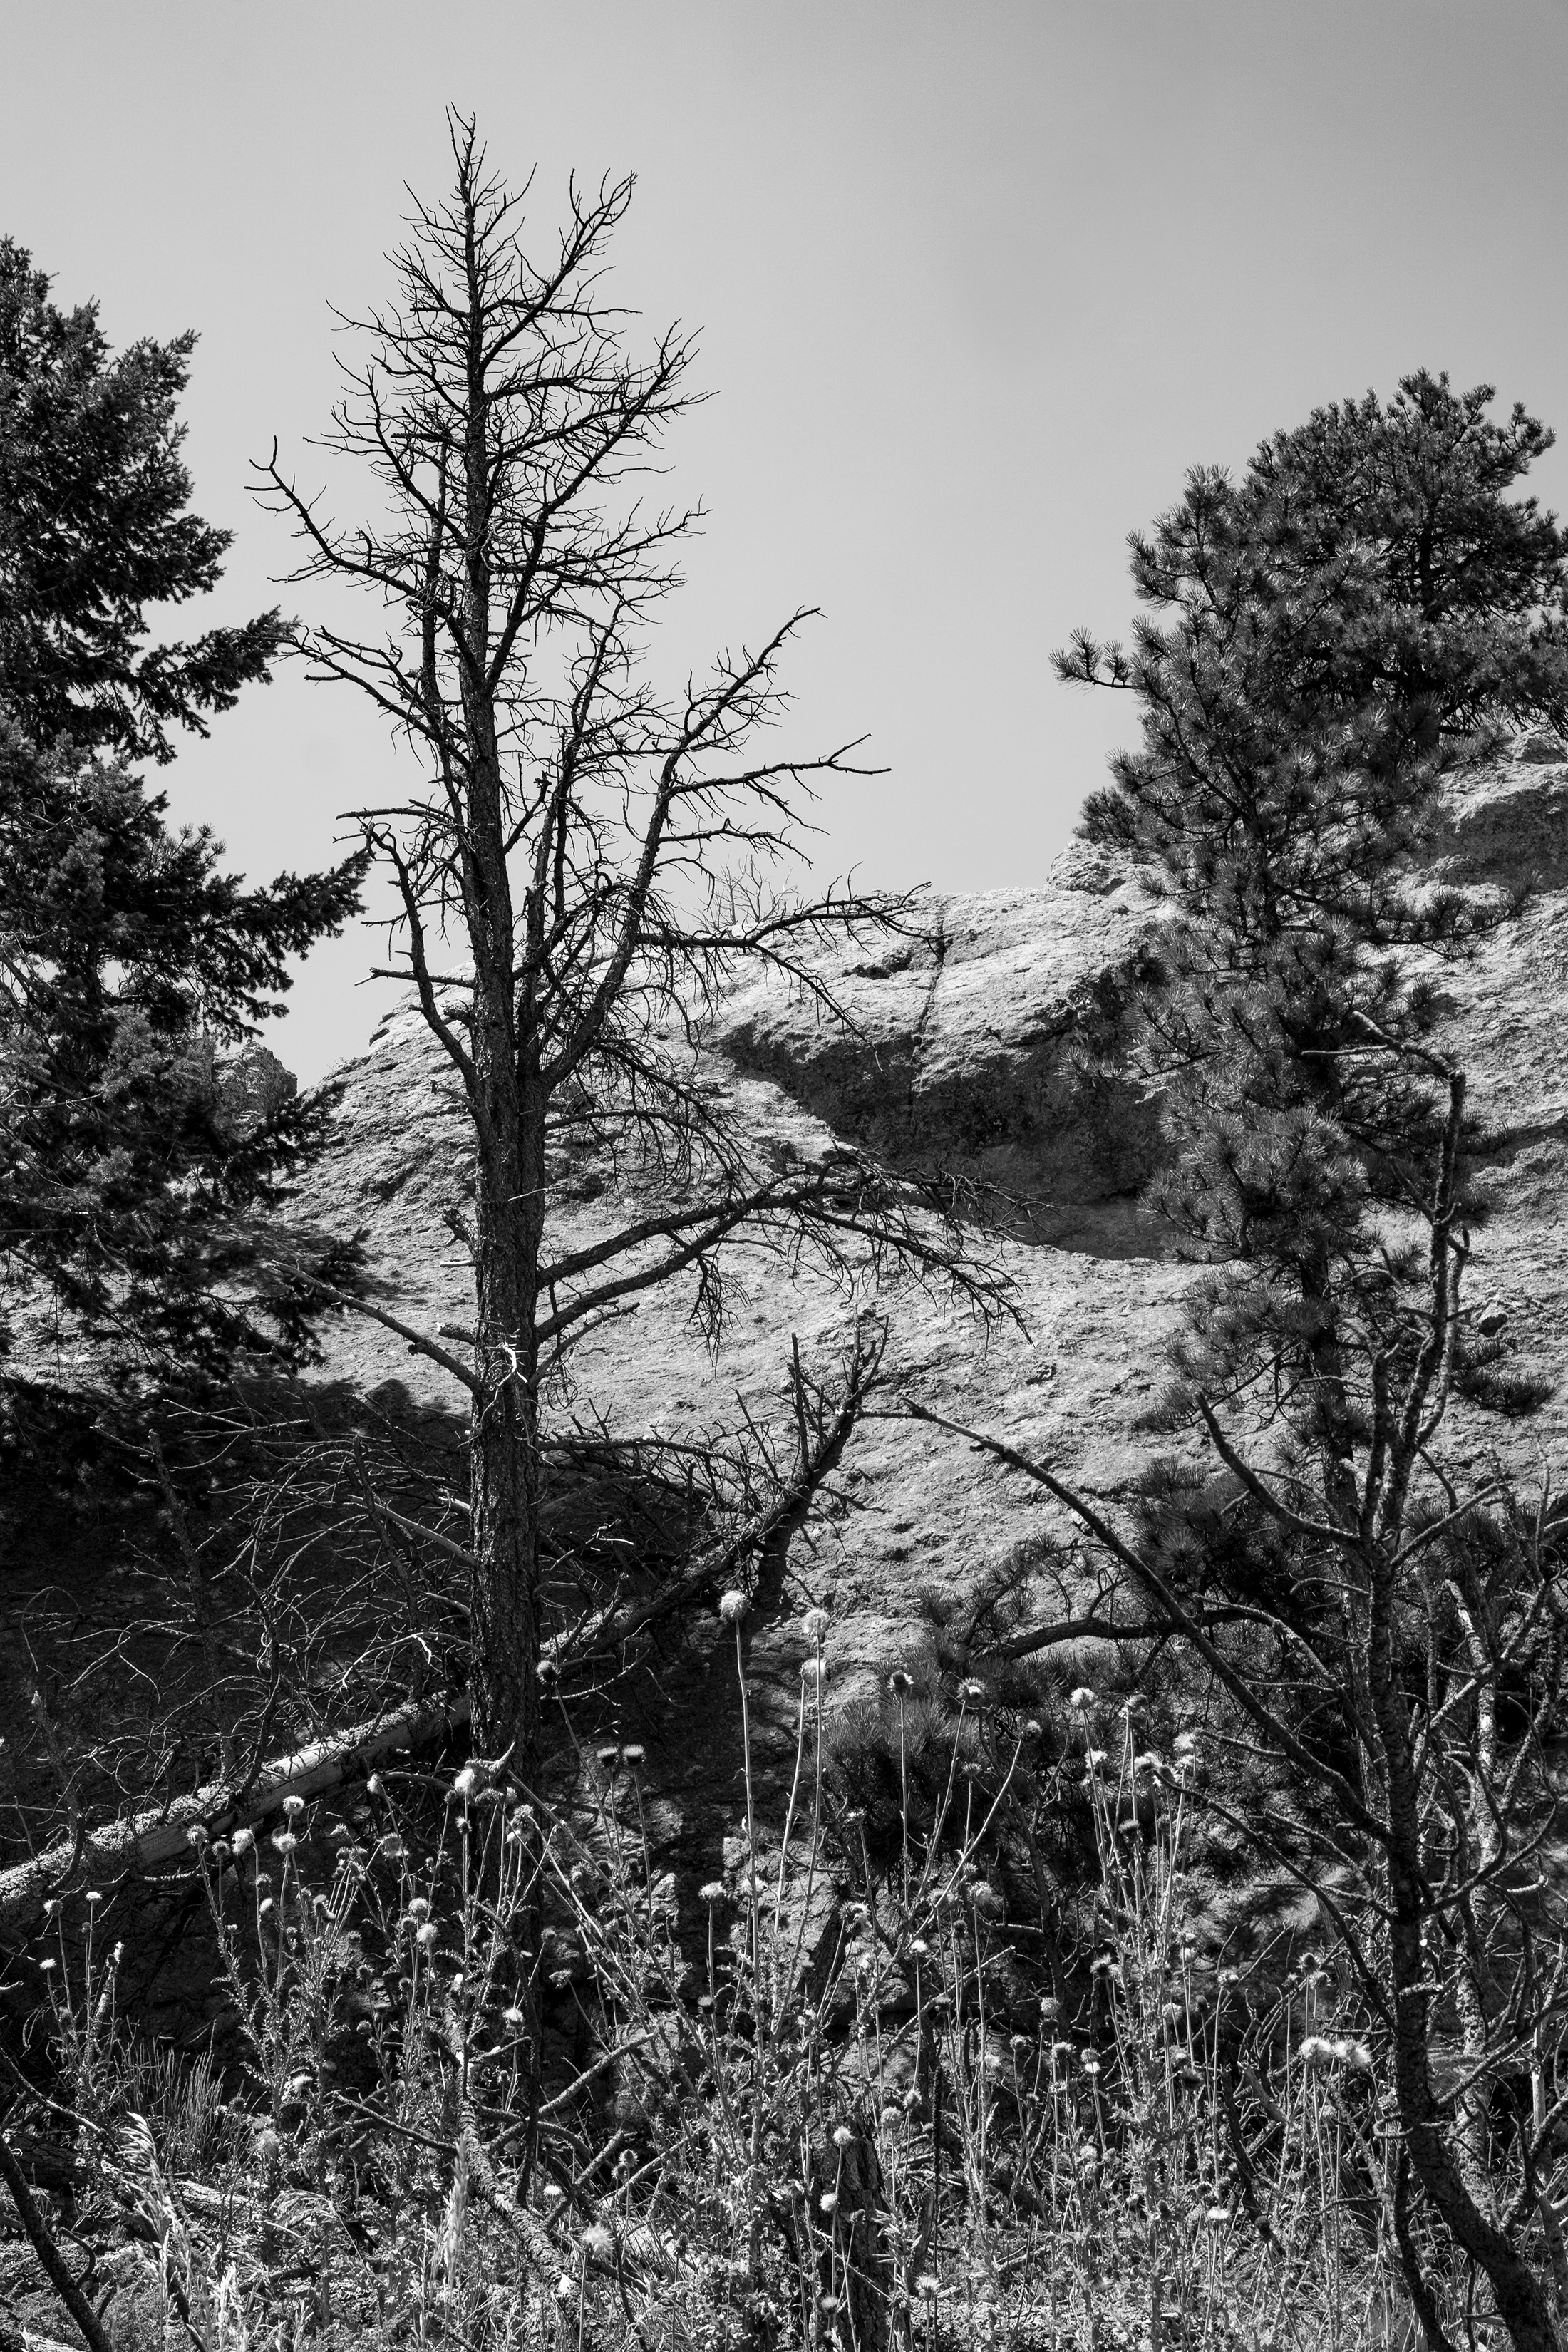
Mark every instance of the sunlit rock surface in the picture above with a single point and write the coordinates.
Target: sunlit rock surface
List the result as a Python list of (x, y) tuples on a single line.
[(960, 1057)]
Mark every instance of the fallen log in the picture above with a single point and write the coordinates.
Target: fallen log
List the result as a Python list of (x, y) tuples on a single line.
[(153, 1841), (164, 1835)]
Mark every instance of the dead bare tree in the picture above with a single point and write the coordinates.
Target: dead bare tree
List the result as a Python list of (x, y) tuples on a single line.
[(591, 858)]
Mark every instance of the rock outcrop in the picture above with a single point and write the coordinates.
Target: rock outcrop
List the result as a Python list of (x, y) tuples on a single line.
[(961, 1055), (957, 1049), (251, 1087)]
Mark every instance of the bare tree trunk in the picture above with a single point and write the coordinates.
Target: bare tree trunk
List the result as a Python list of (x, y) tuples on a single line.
[(1521, 2302), (504, 1471), (504, 1418), (854, 2273)]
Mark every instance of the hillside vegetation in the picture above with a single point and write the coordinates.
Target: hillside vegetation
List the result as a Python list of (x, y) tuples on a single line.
[(821, 1620)]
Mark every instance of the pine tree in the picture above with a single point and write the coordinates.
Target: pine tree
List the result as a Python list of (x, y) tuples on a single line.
[(128, 957), (128, 960), (1366, 610), (94, 527)]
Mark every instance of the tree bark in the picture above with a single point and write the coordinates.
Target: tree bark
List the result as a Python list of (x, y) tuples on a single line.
[(853, 2270), (504, 1472), (1521, 2302), (509, 1120)]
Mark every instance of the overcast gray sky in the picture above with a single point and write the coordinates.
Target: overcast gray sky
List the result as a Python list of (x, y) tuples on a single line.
[(977, 284)]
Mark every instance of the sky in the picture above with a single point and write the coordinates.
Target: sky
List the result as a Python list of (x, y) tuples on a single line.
[(975, 284)]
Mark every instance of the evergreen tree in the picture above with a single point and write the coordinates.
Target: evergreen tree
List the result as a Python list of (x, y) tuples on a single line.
[(1363, 610), (1367, 609), (127, 958), (94, 527)]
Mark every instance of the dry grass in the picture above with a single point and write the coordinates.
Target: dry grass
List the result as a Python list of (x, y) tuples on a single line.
[(884, 2106)]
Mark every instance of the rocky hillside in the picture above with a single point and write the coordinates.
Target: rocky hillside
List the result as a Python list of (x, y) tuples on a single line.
[(962, 1056)]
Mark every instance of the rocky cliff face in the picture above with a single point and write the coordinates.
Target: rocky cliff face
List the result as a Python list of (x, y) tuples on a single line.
[(959, 1051), (962, 1058), (962, 1055)]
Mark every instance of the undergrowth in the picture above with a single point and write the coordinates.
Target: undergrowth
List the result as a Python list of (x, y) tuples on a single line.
[(897, 2089)]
